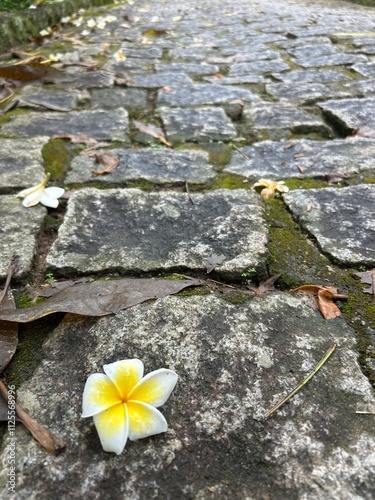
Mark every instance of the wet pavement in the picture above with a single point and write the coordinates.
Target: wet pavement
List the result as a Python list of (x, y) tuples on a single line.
[(241, 91)]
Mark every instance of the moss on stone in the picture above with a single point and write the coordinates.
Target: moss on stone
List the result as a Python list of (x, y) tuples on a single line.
[(56, 159), (228, 181)]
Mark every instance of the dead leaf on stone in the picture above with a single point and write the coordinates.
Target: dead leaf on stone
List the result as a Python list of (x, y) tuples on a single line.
[(368, 277), (219, 76), (323, 297), (8, 331), (290, 145), (6, 93), (264, 286), (167, 89), (44, 437), (123, 80), (77, 139), (213, 261), (56, 286), (29, 72), (107, 162), (152, 130), (334, 178), (99, 298), (363, 132)]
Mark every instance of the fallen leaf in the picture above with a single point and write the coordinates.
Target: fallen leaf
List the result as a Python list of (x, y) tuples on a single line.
[(264, 286), (153, 131), (107, 162), (363, 132), (8, 331), (167, 89), (368, 277), (213, 261), (219, 76), (77, 139), (122, 80), (298, 155), (323, 296), (301, 169), (6, 93), (44, 437), (56, 286), (290, 145), (28, 72), (99, 298), (334, 178)]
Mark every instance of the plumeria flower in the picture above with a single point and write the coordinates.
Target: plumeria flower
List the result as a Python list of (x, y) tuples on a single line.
[(91, 23), (101, 24), (111, 19), (123, 402), (119, 55), (40, 194), (270, 187), (45, 32)]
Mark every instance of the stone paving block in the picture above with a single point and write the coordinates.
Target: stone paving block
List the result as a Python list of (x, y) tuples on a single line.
[(366, 69), (363, 87), (276, 160), (130, 99), (188, 68), (160, 80), (279, 119), (189, 54), (21, 163), (201, 94), (131, 231), (161, 166), (330, 60), (314, 50), (19, 230), (235, 80), (90, 79), (257, 67), (341, 220), (306, 93), (41, 97), (310, 75), (99, 124), (234, 361), (248, 54), (350, 114), (197, 125)]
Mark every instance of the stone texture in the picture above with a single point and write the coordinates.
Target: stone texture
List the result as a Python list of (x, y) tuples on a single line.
[(257, 67), (276, 160), (341, 220), (18, 234), (279, 120), (350, 114), (128, 230), (21, 162), (34, 96), (306, 93), (234, 362), (366, 69), (160, 80), (98, 124), (161, 166), (130, 99), (197, 125), (310, 75), (203, 94), (188, 68), (365, 88), (330, 60)]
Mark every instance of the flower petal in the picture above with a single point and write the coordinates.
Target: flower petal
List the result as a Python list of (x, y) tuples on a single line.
[(155, 388), (99, 395), (33, 198), (113, 428), (125, 374), (26, 192), (48, 199), (280, 187), (144, 420), (55, 192)]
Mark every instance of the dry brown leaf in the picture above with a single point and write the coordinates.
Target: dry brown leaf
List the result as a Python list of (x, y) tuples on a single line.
[(107, 162), (368, 277), (99, 298), (290, 145), (28, 72), (152, 130), (8, 331), (213, 261), (264, 286), (44, 437), (324, 296), (219, 76)]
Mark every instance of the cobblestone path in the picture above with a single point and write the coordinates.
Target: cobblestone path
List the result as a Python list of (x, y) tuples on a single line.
[(282, 91)]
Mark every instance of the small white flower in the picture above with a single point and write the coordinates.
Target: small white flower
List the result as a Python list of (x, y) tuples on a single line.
[(81, 11), (45, 32), (270, 188), (110, 19), (119, 55), (40, 194), (101, 24), (85, 32), (77, 22), (66, 20), (123, 402), (91, 23)]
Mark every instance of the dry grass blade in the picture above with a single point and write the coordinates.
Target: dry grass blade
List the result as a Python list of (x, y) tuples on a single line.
[(153, 131)]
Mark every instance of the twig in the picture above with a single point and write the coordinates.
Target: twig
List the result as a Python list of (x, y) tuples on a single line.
[(299, 386), (50, 442), (188, 192), (13, 268), (366, 412), (241, 153)]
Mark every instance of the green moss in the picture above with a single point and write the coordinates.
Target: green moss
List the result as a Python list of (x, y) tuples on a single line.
[(290, 251), (56, 159), (237, 297), (305, 183), (228, 181)]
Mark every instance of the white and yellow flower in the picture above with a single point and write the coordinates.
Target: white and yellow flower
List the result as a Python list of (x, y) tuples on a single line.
[(270, 188), (40, 194), (123, 403)]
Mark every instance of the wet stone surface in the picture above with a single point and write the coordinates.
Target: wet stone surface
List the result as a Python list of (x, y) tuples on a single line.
[(304, 159), (157, 166), (18, 234), (341, 220), (24, 169), (234, 362), (98, 124), (159, 231)]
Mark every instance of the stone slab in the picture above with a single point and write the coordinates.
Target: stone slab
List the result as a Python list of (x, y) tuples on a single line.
[(99, 124), (235, 80), (89, 79), (314, 50), (365, 88), (341, 220), (278, 120), (129, 230), (304, 93), (197, 125), (188, 68), (160, 80), (41, 97), (160, 166), (234, 362), (310, 75), (21, 163), (366, 69), (257, 67), (19, 229), (130, 99), (306, 159), (330, 60), (203, 94), (351, 114)]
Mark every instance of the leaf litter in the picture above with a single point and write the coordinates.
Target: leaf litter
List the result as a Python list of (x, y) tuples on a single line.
[(322, 297), (368, 277)]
